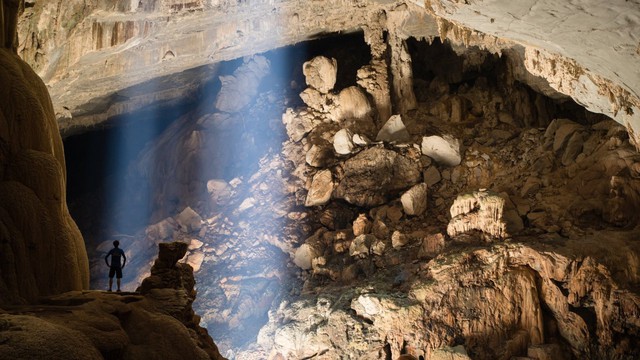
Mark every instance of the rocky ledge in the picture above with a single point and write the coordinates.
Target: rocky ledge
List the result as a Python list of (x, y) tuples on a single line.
[(155, 323)]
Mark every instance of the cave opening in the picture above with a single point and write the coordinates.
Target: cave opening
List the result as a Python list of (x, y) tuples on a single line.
[(245, 182)]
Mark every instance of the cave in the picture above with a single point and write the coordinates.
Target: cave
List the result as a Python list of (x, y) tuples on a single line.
[(368, 179)]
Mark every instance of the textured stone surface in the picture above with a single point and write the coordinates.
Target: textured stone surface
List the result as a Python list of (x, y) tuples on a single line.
[(373, 175), (443, 149), (97, 325), (41, 249), (320, 73), (112, 49), (568, 277)]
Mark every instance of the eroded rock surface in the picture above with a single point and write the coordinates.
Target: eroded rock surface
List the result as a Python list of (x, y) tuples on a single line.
[(41, 249), (160, 323), (278, 279), (101, 59)]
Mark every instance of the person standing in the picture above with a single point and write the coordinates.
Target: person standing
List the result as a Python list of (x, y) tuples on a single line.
[(116, 266)]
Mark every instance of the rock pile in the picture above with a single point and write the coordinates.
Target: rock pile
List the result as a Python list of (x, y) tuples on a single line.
[(334, 233)]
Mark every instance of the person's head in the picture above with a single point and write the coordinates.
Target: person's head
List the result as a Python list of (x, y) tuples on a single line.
[(116, 243)]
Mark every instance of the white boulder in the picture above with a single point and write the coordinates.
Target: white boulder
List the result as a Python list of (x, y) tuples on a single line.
[(443, 149), (393, 130), (320, 73)]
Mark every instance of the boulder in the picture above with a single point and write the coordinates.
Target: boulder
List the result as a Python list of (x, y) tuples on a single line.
[(478, 210), (398, 239), (414, 200), (360, 246), (320, 73), (450, 353), (321, 189), (394, 130), (573, 148), (319, 155), (443, 149), (189, 220), (343, 142), (375, 175), (304, 255), (313, 99), (297, 123), (361, 225), (352, 103), (431, 176), (219, 192)]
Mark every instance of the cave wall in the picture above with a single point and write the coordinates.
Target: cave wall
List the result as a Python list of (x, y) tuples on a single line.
[(95, 54), (41, 249)]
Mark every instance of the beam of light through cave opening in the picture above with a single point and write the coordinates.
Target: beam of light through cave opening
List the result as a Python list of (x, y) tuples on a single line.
[(242, 171)]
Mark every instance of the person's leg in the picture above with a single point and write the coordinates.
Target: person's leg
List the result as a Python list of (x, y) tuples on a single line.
[(112, 272), (118, 277)]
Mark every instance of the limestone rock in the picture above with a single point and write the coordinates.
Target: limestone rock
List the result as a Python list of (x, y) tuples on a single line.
[(546, 352), (219, 191), (304, 256), (161, 230), (366, 306), (320, 73), (361, 140), (321, 189), (394, 131), (450, 353), (239, 89), (361, 225), (573, 148), (189, 220), (478, 210), (398, 239), (432, 245), (443, 149), (195, 260), (361, 245), (42, 252), (352, 103), (313, 99), (343, 142), (374, 79), (319, 155), (431, 176), (375, 174), (297, 123), (414, 200), (28, 335)]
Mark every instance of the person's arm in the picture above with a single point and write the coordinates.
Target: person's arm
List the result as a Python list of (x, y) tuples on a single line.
[(106, 258), (124, 259)]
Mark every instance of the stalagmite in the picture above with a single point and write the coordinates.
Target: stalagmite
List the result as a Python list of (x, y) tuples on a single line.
[(478, 210)]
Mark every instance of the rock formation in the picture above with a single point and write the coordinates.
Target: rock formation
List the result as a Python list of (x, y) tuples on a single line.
[(307, 238), (112, 51), (480, 210), (158, 323), (375, 240), (41, 249)]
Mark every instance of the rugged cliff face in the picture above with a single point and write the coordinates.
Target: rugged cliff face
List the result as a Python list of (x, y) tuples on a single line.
[(42, 250), (102, 58)]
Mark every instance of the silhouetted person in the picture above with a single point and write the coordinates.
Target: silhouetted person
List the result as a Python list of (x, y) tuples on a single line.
[(115, 268)]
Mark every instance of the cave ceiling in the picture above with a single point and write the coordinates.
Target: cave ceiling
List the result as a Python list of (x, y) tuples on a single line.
[(102, 59)]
